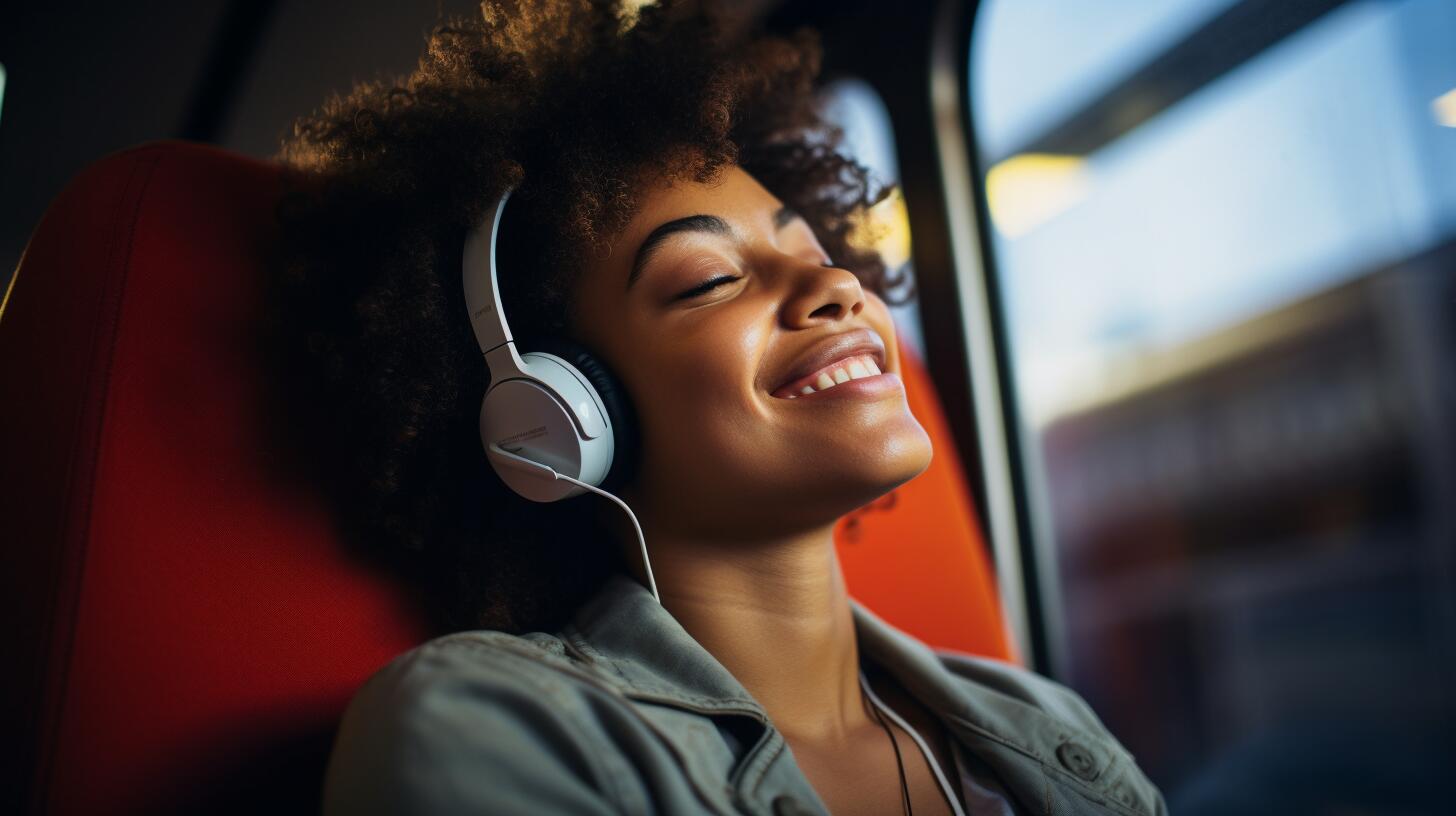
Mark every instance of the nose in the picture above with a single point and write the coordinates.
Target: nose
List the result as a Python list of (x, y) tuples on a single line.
[(822, 293)]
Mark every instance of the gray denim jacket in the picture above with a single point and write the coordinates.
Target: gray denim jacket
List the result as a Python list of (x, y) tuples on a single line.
[(623, 712)]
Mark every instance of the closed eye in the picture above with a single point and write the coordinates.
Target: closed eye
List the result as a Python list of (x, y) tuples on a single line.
[(706, 286), (713, 283)]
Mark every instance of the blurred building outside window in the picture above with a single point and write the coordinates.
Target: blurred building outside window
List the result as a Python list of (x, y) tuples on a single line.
[(1224, 238)]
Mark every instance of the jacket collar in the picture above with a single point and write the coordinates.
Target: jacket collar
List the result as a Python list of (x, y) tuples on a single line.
[(643, 651), (647, 653), (650, 654)]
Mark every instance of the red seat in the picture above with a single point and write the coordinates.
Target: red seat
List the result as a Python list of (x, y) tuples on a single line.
[(185, 625)]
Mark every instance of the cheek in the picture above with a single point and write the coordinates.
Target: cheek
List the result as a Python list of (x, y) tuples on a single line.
[(700, 389), (877, 313), (713, 360)]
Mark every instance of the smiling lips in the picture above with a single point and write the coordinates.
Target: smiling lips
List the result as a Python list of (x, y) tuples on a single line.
[(856, 367)]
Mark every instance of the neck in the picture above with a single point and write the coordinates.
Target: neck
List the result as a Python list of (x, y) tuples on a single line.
[(777, 615)]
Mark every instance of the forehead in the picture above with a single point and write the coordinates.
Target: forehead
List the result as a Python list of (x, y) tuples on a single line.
[(734, 196)]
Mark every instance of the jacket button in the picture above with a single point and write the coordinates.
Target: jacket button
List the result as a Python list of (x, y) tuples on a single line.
[(1078, 760), (786, 805), (1121, 793)]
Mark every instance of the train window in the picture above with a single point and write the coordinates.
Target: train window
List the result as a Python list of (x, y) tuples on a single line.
[(1222, 236), (855, 107)]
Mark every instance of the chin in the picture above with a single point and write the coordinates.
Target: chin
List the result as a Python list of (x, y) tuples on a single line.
[(915, 462), (901, 460)]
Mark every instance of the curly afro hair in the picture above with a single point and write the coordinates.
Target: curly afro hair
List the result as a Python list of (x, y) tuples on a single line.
[(578, 104)]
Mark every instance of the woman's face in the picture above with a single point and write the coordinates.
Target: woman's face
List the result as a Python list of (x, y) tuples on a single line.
[(724, 456)]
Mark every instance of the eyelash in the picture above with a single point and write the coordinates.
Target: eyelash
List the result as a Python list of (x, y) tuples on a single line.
[(711, 284), (706, 286)]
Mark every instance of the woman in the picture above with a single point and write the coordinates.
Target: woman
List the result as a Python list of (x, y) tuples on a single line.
[(678, 209)]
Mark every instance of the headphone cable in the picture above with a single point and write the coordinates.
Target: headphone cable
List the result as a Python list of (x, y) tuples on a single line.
[(641, 540)]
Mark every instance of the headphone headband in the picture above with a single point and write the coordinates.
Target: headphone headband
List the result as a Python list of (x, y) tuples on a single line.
[(482, 294), (551, 419), (493, 333)]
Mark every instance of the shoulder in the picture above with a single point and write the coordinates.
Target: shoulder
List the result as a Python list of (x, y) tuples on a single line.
[(1051, 722), (467, 664), (1025, 686), (473, 720)]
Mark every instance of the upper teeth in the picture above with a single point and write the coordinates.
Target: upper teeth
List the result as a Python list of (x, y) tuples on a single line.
[(853, 368)]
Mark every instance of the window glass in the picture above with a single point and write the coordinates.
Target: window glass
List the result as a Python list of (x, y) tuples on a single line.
[(1224, 240), (854, 106)]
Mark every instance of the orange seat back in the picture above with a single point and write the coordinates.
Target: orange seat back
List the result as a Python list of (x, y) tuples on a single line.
[(916, 556)]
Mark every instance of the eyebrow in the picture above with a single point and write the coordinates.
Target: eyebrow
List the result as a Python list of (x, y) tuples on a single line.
[(784, 216), (711, 224)]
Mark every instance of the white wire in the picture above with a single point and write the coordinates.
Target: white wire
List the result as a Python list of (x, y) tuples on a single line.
[(646, 564), (955, 804)]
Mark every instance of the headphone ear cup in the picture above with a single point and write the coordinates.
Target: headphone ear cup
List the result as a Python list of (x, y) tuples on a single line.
[(620, 410), (527, 411)]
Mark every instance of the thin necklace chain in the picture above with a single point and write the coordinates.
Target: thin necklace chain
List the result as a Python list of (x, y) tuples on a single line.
[(899, 763), (886, 711)]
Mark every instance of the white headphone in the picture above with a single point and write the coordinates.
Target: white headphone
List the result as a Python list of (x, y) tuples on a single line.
[(547, 413)]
